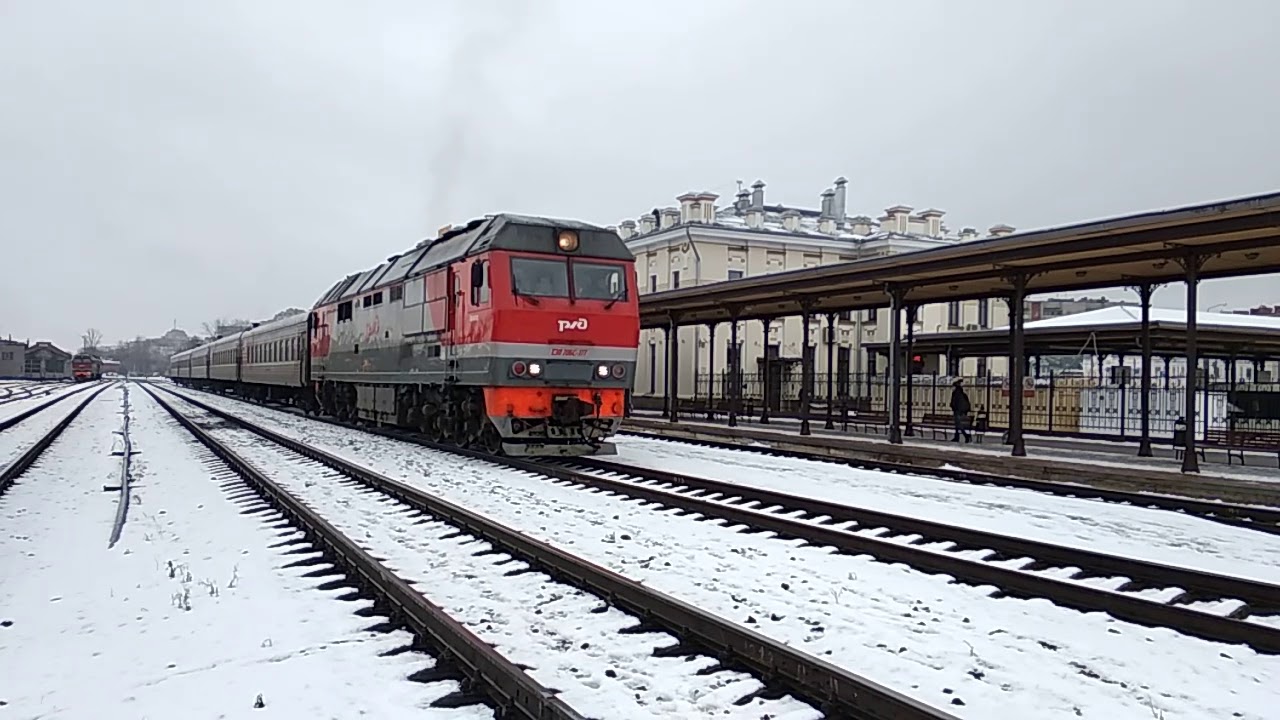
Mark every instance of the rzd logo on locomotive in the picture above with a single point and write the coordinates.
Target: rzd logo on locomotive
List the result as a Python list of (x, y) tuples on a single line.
[(566, 325)]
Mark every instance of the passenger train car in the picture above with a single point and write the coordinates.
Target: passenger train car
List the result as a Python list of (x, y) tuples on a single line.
[(516, 334)]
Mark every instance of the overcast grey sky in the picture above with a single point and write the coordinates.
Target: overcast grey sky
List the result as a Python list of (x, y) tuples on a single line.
[(179, 161)]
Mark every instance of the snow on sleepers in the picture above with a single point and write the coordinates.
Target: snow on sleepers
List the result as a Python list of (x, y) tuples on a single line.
[(15, 412), (1158, 582), (649, 676), (946, 643), (503, 682)]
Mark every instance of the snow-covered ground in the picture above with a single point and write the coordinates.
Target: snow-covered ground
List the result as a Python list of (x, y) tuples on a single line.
[(947, 644), (191, 615), (17, 439), (1150, 534), (17, 406), (533, 620)]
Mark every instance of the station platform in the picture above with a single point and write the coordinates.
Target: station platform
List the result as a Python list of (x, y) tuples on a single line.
[(1099, 463)]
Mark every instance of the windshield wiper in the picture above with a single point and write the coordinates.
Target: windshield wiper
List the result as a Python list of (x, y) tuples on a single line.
[(515, 290), (613, 301)]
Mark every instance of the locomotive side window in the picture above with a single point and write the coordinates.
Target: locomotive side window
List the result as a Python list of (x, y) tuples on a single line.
[(344, 311), (480, 282), (547, 278), (396, 293), (598, 281)]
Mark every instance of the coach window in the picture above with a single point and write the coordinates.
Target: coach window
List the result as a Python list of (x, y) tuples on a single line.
[(598, 281), (547, 278)]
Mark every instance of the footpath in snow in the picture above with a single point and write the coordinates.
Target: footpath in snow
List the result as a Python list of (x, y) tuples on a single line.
[(191, 615), (947, 644)]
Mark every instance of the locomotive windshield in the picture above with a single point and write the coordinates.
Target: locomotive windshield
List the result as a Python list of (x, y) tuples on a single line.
[(550, 278)]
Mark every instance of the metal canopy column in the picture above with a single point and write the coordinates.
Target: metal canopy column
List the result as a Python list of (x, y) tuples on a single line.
[(711, 371), (806, 369), (831, 368), (910, 361), (1191, 263), (1144, 443), (673, 370), (1016, 363), (764, 368), (893, 398), (666, 370), (735, 371)]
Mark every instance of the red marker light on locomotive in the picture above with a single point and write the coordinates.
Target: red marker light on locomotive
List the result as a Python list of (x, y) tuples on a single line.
[(619, 370), (517, 368)]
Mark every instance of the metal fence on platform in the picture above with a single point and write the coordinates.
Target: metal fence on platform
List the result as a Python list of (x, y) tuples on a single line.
[(1054, 404)]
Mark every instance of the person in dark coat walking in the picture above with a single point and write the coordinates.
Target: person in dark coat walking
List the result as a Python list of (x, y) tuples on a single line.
[(960, 411)]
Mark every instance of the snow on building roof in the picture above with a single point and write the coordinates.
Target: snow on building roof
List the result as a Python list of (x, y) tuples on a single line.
[(1167, 317)]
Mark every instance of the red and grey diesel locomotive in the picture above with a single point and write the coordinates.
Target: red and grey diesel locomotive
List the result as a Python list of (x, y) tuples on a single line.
[(514, 334)]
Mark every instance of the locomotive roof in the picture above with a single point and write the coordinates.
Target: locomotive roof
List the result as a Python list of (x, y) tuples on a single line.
[(505, 231)]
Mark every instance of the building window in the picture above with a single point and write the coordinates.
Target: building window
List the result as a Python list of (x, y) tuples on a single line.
[(735, 274), (675, 279), (953, 313), (6, 356), (984, 313), (982, 367), (653, 283), (653, 369)]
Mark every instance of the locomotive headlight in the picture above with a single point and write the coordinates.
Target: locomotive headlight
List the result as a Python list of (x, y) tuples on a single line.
[(602, 371), (567, 240), (535, 369), (619, 370)]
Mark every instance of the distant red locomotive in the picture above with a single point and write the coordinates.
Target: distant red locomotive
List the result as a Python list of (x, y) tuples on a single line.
[(516, 334), (85, 368)]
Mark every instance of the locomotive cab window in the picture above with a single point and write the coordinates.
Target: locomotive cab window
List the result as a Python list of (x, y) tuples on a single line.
[(545, 278), (598, 281), (480, 282)]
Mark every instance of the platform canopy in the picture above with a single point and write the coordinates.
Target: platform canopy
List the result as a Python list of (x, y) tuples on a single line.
[(1115, 331)]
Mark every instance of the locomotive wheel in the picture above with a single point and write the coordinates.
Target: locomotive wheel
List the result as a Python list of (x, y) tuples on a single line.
[(490, 440)]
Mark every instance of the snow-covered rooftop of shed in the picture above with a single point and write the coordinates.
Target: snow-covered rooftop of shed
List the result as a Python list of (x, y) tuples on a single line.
[(1167, 317)]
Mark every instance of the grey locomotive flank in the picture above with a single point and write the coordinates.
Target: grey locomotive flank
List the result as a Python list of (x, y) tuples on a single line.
[(485, 363)]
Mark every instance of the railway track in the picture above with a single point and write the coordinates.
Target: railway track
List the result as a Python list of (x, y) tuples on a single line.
[(9, 422), (1145, 593), (1254, 517), (28, 458), (833, 690)]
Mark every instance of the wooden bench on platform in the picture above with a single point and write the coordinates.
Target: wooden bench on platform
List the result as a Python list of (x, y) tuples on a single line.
[(1237, 441)]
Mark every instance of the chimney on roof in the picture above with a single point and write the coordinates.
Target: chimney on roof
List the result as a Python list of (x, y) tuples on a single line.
[(757, 195), (627, 229), (932, 222), (841, 206), (862, 225), (708, 205), (670, 218), (690, 208), (742, 200), (791, 220), (647, 224), (1000, 230), (967, 234), (444, 229), (899, 218), (828, 200)]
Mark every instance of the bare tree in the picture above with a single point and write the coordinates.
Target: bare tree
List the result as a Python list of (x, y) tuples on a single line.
[(91, 338)]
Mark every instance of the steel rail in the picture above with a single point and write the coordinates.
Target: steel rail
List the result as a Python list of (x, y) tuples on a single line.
[(33, 453), (512, 690), (10, 422), (834, 690), (1253, 517)]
